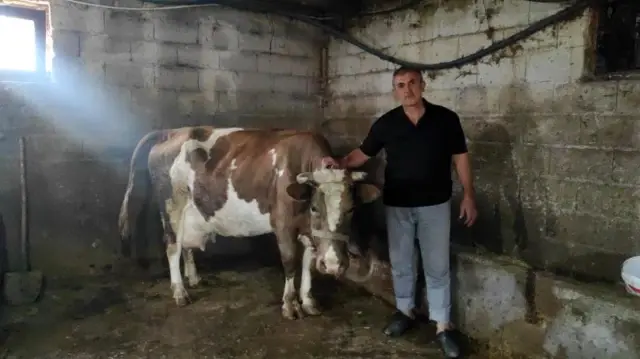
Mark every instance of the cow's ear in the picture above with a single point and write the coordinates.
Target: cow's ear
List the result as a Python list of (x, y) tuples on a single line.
[(300, 191), (367, 192)]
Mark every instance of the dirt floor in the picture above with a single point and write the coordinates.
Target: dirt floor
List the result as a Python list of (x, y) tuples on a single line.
[(235, 313)]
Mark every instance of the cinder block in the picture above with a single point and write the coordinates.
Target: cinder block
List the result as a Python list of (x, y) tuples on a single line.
[(578, 62), (197, 103), (344, 65), (256, 43), (74, 17), (184, 32), (218, 37), (103, 47), (198, 57), (291, 47), (544, 39), (454, 78), (255, 82), (290, 84), (502, 72), (146, 52), (456, 22), (584, 164), (176, 78), (437, 50), (628, 97), (554, 66), (275, 64), (238, 61), (380, 34), (66, 43), (128, 25), (540, 10), (129, 75), (471, 43), (489, 295), (509, 13), (371, 63), (77, 71), (218, 80), (149, 102), (574, 33), (586, 97)]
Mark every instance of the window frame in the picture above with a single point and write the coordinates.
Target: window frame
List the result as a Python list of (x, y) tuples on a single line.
[(39, 18)]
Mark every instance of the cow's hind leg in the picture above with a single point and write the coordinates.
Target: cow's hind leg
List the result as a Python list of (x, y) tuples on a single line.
[(308, 302), (190, 269), (291, 308)]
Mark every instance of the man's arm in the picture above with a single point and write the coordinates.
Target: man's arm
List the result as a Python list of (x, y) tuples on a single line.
[(355, 158), (463, 169), (371, 145)]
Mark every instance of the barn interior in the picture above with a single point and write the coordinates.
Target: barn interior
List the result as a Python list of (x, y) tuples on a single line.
[(548, 93)]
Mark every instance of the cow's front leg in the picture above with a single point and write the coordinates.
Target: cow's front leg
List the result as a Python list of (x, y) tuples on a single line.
[(308, 302), (291, 308), (180, 294), (190, 270)]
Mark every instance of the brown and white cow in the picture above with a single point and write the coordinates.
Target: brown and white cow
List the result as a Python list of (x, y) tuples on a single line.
[(240, 182)]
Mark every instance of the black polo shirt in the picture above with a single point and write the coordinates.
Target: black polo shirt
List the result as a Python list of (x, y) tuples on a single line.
[(418, 171)]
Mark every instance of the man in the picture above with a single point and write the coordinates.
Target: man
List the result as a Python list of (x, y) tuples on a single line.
[(421, 139)]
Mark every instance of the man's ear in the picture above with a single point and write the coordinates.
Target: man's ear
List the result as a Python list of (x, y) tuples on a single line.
[(367, 192), (300, 191)]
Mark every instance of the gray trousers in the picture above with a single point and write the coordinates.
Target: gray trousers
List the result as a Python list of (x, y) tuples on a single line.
[(431, 225)]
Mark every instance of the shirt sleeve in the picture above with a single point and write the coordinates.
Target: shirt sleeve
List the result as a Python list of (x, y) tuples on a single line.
[(374, 142), (458, 140)]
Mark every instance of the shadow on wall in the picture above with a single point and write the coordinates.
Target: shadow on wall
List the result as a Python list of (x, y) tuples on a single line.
[(506, 224), (518, 199)]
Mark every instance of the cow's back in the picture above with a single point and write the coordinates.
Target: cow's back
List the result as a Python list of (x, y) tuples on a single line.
[(238, 176)]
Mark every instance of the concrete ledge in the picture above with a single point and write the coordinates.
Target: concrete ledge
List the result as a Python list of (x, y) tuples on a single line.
[(504, 304), (541, 316)]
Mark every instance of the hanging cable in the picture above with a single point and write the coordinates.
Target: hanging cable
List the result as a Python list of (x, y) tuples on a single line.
[(258, 6), (566, 14)]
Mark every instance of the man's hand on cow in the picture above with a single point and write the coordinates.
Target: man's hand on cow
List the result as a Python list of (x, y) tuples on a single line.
[(330, 162), (468, 211)]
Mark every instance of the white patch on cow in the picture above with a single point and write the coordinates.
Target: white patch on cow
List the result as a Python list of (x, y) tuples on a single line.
[(236, 218), (274, 156), (305, 277), (233, 165), (280, 172), (331, 183), (327, 175), (193, 232), (331, 261), (289, 289)]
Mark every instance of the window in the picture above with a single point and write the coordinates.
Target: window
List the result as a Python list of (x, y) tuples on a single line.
[(22, 43), (618, 37)]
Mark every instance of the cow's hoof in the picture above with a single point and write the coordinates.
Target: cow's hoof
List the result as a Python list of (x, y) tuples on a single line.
[(181, 297), (292, 310), (182, 301), (310, 308), (194, 281)]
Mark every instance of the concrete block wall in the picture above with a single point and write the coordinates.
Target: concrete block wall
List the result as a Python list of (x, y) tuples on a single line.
[(555, 156), (118, 74)]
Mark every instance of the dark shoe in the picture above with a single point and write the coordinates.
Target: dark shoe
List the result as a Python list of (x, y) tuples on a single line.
[(398, 324), (449, 347)]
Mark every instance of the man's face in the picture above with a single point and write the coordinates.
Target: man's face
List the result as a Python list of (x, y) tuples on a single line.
[(408, 88)]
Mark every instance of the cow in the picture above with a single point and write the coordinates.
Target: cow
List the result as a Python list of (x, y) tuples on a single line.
[(242, 182)]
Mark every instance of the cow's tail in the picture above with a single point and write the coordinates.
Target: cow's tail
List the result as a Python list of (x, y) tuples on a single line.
[(139, 180)]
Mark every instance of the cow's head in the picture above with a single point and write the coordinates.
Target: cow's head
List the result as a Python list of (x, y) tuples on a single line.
[(332, 195)]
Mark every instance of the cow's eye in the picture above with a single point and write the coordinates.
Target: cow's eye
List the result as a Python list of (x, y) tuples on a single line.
[(314, 209)]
